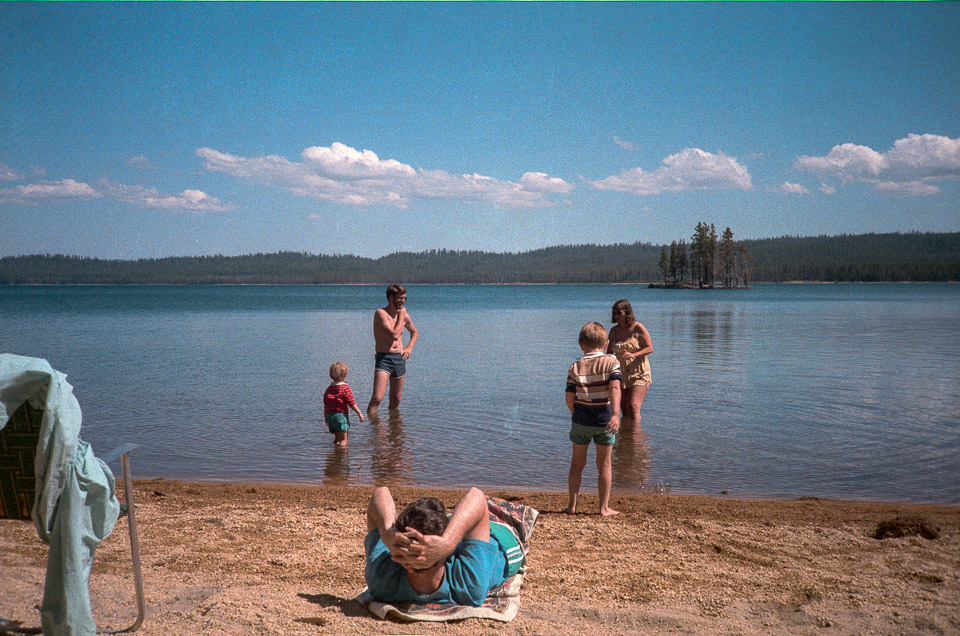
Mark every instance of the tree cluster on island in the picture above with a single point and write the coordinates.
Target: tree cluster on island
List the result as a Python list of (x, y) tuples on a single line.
[(708, 261)]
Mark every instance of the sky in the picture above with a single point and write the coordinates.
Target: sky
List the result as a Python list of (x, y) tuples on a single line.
[(144, 130)]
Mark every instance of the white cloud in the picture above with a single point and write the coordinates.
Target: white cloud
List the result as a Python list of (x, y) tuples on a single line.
[(827, 189), (36, 193), (925, 156), (905, 169), (9, 174), (141, 162), (140, 196), (345, 175), (847, 162), (792, 188), (689, 169), (340, 160), (908, 188), (626, 145), (542, 182), (68, 189)]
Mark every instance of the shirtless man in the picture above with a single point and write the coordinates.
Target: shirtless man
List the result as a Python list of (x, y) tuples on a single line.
[(391, 359)]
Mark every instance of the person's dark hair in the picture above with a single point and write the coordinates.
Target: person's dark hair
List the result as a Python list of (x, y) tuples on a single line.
[(426, 516), (623, 305), (395, 290)]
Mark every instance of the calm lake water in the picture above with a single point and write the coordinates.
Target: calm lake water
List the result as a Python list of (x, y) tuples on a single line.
[(846, 391)]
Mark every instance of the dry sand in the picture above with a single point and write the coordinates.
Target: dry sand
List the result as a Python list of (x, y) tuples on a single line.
[(275, 559)]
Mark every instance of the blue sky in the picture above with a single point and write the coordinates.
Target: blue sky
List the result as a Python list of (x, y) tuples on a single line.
[(134, 130)]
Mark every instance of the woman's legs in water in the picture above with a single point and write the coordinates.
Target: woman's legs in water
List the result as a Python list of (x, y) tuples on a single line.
[(633, 400)]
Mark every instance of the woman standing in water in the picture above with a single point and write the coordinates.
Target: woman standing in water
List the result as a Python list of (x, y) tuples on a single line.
[(630, 342)]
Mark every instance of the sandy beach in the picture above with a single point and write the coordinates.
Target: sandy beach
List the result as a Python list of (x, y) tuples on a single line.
[(281, 559)]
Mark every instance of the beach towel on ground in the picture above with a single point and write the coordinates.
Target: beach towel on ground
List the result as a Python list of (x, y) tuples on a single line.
[(502, 602), (75, 507)]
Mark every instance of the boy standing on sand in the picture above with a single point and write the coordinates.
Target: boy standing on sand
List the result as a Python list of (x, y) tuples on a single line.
[(390, 362), (336, 400), (593, 397)]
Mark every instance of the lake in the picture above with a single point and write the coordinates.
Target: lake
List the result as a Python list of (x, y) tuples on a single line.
[(845, 391)]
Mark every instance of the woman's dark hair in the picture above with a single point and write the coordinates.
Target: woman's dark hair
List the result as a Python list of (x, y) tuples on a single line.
[(623, 305), (426, 516)]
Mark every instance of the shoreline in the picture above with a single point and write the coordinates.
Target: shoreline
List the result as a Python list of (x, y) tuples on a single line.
[(266, 558), (559, 489)]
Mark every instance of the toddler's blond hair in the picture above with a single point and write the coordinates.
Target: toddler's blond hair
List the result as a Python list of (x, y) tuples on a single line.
[(338, 371)]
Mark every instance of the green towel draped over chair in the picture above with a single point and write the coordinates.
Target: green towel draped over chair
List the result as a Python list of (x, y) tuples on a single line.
[(76, 506)]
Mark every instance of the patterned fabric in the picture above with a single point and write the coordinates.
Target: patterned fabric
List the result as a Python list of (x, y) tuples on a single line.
[(337, 398), (590, 376), (635, 371), (502, 602)]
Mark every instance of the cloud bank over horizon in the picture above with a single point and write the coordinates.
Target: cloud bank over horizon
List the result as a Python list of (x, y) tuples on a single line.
[(344, 175)]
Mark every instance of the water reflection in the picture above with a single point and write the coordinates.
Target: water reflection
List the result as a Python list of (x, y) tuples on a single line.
[(388, 461), (336, 469), (631, 457), (713, 333)]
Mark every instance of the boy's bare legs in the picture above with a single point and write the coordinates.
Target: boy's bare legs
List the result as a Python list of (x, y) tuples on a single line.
[(604, 478), (577, 462), (340, 439), (396, 392), (380, 379)]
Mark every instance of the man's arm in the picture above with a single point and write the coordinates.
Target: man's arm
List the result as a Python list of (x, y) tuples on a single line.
[(381, 515), (469, 521), (571, 400), (413, 334)]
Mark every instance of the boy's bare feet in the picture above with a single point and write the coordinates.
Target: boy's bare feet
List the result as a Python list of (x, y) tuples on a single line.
[(570, 510), (608, 512)]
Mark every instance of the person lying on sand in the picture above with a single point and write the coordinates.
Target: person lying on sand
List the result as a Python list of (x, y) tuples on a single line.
[(421, 556)]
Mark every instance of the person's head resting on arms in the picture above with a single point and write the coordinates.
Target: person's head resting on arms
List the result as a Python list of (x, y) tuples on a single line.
[(428, 516)]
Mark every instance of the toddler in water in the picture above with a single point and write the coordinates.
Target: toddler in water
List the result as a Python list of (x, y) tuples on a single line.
[(336, 400)]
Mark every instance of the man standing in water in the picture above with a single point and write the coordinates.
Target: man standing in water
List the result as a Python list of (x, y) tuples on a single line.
[(391, 359)]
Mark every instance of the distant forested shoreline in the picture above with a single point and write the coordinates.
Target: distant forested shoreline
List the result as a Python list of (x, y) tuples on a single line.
[(917, 257)]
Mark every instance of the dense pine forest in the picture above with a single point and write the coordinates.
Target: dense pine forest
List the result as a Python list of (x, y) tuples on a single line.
[(846, 258)]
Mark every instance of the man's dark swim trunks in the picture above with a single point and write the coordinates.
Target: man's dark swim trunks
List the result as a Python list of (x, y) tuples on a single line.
[(392, 363)]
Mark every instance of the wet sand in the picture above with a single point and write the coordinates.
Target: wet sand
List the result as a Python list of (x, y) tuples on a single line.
[(277, 559)]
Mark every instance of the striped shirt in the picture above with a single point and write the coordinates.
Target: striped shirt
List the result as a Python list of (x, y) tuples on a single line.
[(589, 378), (337, 398)]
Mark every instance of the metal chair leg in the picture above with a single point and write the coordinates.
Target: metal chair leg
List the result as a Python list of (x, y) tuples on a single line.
[(134, 549)]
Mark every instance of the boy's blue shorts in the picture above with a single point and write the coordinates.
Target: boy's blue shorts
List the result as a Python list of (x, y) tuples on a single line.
[(583, 435), (337, 422)]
